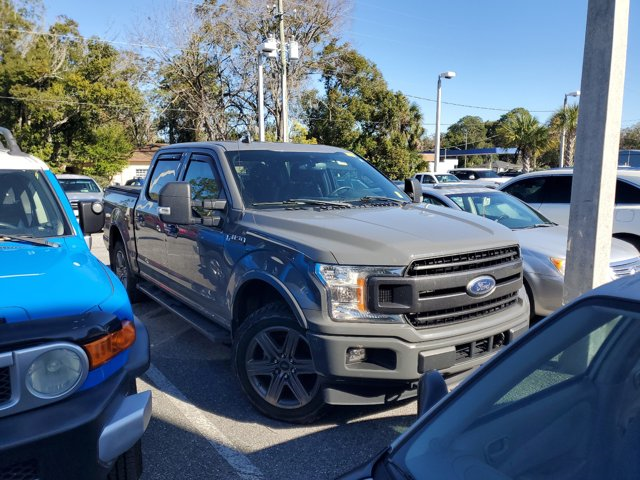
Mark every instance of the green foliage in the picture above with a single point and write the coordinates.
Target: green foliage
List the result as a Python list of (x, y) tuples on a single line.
[(630, 138), (360, 113), (468, 132), (67, 98), (520, 129), (567, 118)]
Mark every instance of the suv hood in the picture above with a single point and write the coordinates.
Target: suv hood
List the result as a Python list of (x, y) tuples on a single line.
[(44, 282), (392, 236)]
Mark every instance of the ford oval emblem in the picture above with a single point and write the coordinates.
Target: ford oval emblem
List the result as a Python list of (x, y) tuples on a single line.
[(481, 286)]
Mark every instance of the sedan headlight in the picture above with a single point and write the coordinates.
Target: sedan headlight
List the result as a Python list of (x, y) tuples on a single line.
[(347, 292), (55, 373)]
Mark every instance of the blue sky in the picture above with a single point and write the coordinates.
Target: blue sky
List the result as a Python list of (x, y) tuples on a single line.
[(506, 53)]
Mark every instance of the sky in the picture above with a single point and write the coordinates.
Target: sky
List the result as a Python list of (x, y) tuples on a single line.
[(506, 53)]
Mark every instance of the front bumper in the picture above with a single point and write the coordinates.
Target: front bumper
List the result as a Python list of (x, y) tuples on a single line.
[(81, 436), (546, 291), (397, 359)]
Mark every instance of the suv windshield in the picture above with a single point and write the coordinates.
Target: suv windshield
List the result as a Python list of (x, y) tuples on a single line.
[(334, 178), (28, 207), (79, 185), (501, 207)]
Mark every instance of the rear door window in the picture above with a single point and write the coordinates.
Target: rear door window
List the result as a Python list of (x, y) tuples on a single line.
[(164, 171), (627, 194)]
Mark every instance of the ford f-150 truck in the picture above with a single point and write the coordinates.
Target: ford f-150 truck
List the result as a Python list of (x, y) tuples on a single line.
[(70, 346), (335, 287)]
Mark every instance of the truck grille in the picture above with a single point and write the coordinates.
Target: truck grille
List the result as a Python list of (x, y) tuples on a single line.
[(464, 262), (462, 313), (622, 269), (5, 385)]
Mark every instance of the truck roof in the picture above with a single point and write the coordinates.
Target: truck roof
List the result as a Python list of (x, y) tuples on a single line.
[(20, 161), (272, 146)]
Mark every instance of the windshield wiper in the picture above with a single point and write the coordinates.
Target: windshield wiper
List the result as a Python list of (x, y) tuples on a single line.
[(304, 201), (28, 240), (404, 474), (538, 225), (377, 199)]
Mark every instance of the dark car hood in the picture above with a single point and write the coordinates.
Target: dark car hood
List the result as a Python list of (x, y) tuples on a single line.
[(44, 282), (391, 236)]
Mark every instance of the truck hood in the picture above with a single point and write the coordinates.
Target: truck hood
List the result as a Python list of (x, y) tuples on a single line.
[(552, 242), (44, 282), (392, 236)]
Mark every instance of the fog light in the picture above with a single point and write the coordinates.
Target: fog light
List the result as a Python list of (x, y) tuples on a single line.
[(356, 355)]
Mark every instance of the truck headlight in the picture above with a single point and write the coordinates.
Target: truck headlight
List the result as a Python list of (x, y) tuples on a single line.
[(347, 293), (55, 373)]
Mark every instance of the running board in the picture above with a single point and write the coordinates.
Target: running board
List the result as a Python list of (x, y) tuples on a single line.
[(201, 323)]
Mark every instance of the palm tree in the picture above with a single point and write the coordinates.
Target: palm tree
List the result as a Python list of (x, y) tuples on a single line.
[(522, 130), (569, 118)]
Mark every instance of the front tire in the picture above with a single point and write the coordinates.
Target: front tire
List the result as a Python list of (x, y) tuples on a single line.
[(128, 466), (274, 364), (120, 266)]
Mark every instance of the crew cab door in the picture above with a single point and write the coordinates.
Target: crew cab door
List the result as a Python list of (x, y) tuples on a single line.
[(150, 231), (196, 252)]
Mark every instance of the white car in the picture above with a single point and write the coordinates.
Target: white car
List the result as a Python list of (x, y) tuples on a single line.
[(430, 178), (481, 176), (549, 192)]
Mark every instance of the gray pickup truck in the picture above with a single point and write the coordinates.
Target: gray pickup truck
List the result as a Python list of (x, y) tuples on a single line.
[(334, 286)]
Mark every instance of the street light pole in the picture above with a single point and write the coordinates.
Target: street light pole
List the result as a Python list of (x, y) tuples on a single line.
[(283, 59), (564, 124), (261, 96), (438, 101)]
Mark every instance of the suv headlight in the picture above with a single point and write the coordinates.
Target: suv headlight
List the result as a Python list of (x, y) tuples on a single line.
[(55, 373), (347, 292)]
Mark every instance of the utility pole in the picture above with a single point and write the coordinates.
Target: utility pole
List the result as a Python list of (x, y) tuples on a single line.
[(283, 59), (594, 177)]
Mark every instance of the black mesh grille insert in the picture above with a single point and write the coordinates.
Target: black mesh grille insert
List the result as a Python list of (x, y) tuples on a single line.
[(20, 471), (5, 385), (462, 313), (464, 262), (385, 294)]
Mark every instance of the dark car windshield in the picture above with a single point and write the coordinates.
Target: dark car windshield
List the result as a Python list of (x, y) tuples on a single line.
[(486, 174), (562, 404), (270, 177), (79, 185), (501, 207), (28, 206)]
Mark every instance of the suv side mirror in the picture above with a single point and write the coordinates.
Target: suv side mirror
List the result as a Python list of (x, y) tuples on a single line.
[(413, 188), (431, 389), (91, 217), (174, 203)]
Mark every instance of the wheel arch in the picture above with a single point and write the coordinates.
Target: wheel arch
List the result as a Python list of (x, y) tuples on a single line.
[(257, 290), (631, 238)]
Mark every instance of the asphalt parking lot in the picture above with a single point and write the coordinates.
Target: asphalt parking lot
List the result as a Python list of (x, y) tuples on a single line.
[(204, 428)]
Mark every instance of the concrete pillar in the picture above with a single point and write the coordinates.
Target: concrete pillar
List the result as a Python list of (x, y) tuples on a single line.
[(596, 157)]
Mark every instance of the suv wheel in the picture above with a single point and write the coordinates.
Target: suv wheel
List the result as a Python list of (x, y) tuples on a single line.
[(273, 361), (120, 266)]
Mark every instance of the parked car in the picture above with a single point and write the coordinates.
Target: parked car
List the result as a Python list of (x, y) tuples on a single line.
[(543, 242), (70, 346), (335, 287), (139, 181), (430, 178), (562, 402), (481, 176), (80, 188), (549, 192)]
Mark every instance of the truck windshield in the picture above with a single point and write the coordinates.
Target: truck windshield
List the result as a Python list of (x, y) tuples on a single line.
[(269, 177), (79, 185), (28, 207)]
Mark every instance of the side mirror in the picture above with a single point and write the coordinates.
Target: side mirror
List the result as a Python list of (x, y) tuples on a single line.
[(431, 389), (174, 204), (413, 188), (91, 217)]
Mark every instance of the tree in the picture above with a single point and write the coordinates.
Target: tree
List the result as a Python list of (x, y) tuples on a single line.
[(630, 138), (520, 129), (566, 118), (468, 132), (62, 90), (360, 113)]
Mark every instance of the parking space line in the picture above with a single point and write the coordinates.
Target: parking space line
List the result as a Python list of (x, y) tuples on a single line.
[(222, 445)]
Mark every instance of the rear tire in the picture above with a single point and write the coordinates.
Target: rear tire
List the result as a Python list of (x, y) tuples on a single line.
[(273, 362), (120, 266), (128, 466)]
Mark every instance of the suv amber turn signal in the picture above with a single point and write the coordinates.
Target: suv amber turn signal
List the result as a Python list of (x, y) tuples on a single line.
[(104, 349)]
